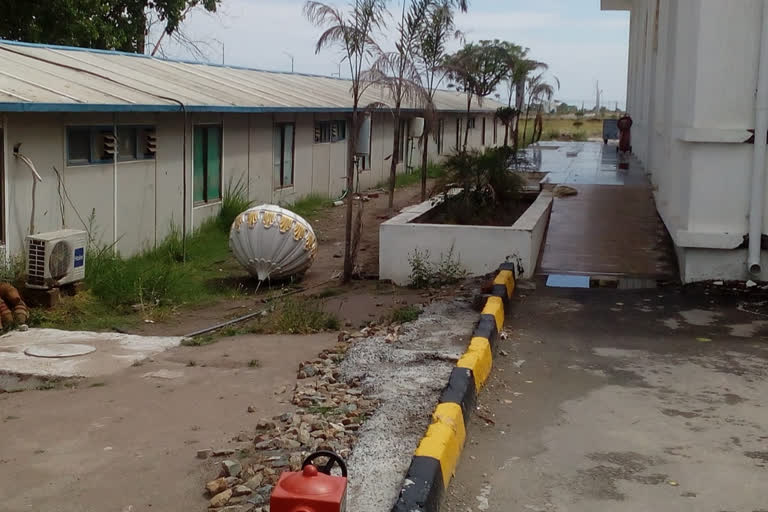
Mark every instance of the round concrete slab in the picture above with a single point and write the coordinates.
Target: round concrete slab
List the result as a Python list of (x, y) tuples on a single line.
[(59, 350)]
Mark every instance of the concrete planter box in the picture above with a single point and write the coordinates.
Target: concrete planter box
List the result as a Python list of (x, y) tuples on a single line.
[(480, 249)]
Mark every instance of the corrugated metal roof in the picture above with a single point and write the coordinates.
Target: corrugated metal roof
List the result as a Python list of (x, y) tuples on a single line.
[(44, 78)]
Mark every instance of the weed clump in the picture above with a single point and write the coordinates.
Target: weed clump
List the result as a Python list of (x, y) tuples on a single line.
[(426, 273)]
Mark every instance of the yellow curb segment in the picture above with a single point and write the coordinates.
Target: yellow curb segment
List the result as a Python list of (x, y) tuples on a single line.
[(495, 307), (507, 278), (479, 359), (444, 439)]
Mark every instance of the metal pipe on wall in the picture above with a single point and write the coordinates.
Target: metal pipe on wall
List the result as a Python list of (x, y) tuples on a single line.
[(757, 197), (114, 183)]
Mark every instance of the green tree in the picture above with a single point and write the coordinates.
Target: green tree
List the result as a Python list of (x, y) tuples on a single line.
[(477, 68), (351, 33), (103, 24)]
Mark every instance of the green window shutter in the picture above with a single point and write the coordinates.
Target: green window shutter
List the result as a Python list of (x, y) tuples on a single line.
[(288, 156), (198, 178), (214, 164)]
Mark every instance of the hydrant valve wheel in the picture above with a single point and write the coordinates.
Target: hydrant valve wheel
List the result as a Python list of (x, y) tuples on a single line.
[(333, 460)]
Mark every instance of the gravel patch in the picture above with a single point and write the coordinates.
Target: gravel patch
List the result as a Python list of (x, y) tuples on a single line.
[(405, 375)]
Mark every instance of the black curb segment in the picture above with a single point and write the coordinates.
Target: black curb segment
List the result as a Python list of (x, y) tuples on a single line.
[(461, 390), (500, 291), (423, 489), (510, 267), (486, 328)]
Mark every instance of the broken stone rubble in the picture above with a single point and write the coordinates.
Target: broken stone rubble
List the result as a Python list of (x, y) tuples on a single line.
[(328, 417)]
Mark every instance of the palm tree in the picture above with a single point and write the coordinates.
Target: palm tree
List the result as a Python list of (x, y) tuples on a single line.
[(538, 90), (478, 68), (352, 34), (520, 67), (438, 31), (506, 115), (397, 73)]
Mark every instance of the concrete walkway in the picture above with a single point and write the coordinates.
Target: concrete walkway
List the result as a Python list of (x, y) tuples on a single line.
[(623, 400), (610, 228)]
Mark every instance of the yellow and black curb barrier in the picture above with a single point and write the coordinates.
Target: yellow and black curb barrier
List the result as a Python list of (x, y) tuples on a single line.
[(435, 460)]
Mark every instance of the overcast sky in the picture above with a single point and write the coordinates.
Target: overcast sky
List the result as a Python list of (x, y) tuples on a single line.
[(581, 44)]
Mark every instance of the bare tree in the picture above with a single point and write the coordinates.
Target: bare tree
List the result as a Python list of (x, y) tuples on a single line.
[(398, 73), (171, 28), (351, 33)]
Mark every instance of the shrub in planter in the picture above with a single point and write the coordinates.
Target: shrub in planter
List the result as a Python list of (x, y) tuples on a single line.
[(488, 187)]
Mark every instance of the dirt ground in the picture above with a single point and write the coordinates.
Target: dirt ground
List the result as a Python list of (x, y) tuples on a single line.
[(128, 442), (630, 400), (330, 233), (361, 301)]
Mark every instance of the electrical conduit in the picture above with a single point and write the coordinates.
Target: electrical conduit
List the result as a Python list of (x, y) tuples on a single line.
[(756, 203)]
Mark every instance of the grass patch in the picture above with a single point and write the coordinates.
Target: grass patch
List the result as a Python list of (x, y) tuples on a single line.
[(320, 409), (406, 314), (434, 171), (254, 363), (330, 292), (120, 291), (557, 128), (296, 315), (310, 205), (98, 385), (199, 341)]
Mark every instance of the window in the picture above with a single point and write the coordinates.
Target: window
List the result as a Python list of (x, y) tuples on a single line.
[(330, 131), (482, 135), (472, 123), (283, 142), (495, 132), (365, 160), (458, 132), (440, 135), (97, 144), (401, 156), (207, 164)]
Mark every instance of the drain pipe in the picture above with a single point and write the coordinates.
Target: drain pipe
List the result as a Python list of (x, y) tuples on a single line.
[(756, 205)]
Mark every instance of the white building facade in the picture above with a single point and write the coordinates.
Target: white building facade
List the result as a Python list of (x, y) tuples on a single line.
[(695, 96), (183, 133)]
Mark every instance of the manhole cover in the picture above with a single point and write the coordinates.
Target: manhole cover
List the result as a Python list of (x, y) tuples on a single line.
[(56, 350)]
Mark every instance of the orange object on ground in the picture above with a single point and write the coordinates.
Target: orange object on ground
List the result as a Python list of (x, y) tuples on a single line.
[(6, 316), (311, 490), (12, 307), (625, 134)]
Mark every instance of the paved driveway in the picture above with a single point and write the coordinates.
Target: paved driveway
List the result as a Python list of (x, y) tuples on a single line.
[(612, 400)]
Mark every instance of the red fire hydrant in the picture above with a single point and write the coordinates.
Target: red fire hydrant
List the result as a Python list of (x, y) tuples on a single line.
[(313, 489)]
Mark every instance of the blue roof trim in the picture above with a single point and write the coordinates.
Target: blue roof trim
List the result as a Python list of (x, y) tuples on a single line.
[(93, 107)]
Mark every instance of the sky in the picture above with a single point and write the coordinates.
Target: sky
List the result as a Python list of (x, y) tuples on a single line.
[(581, 44)]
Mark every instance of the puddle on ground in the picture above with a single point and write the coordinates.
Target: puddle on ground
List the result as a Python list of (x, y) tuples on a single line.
[(746, 330), (671, 323), (700, 317)]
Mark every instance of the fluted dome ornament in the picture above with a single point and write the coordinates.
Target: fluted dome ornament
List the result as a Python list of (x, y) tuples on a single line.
[(272, 242)]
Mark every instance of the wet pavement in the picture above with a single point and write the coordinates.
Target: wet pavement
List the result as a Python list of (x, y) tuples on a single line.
[(584, 163), (610, 227), (631, 400)]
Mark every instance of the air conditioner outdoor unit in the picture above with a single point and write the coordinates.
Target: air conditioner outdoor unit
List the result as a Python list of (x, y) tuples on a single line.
[(56, 258)]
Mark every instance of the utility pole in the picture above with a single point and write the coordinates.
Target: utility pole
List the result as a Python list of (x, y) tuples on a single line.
[(290, 57)]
